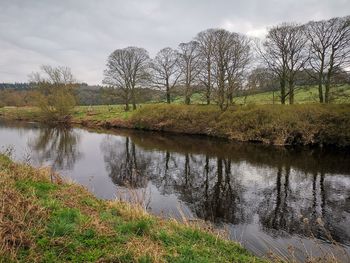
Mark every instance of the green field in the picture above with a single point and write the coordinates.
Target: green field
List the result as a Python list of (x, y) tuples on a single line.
[(306, 94)]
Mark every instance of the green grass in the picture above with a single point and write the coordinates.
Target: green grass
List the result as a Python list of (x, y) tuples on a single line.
[(303, 95), (60, 222)]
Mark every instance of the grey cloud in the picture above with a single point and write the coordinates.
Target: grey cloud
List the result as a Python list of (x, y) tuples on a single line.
[(82, 33)]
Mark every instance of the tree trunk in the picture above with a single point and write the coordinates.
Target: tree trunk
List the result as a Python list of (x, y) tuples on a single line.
[(230, 98), (188, 95), (127, 101), (167, 92), (326, 94), (329, 76), (320, 80), (208, 85), (283, 92), (207, 95), (320, 91), (328, 86), (133, 98), (291, 93), (168, 98)]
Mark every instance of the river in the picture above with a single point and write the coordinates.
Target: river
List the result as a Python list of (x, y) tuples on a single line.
[(293, 202)]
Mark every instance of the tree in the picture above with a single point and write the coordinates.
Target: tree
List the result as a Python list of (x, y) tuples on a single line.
[(238, 60), (165, 70), (55, 97), (329, 49), (284, 54), (297, 56), (189, 64), (224, 41), (206, 45), (127, 69), (224, 57)]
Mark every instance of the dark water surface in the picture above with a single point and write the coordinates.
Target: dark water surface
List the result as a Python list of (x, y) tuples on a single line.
[(266, 197)]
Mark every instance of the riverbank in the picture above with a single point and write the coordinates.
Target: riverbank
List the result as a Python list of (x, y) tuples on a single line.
[(306, 124), (49, 221)]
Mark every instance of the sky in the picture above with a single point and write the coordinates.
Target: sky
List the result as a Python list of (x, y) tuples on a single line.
[(81, 34)]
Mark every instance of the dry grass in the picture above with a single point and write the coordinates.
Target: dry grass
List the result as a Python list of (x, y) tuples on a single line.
[(18, 217), (145, 247), (312, 124)]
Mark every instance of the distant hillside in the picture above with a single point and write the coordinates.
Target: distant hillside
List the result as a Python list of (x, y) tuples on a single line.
[(15, 86)]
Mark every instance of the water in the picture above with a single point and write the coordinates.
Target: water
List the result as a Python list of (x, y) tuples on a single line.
[(267, 198)]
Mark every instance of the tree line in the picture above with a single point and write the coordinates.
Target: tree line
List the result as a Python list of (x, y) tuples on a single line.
[(222, 62)]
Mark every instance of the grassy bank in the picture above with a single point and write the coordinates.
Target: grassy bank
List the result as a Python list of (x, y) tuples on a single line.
[(41, 221), (273, 124), (300, 124)]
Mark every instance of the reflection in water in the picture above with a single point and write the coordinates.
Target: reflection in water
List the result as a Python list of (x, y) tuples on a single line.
[(279, 193), (124, 165), (283, 197), (58, 144)]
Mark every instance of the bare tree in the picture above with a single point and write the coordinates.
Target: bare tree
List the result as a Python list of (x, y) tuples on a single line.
[(319, 41), (283, 52), (127, 69), (165, 70), (297, 55), (206, 45), (189, 64), (224, 57), (224, 42), (239, 57), (329, 48)]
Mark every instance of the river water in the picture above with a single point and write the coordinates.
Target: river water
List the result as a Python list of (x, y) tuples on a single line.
[(293, 202)]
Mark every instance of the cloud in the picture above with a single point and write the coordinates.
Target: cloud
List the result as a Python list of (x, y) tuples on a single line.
[(82, 33)]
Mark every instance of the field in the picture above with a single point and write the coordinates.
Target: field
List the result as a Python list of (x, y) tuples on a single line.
[(49, 220), (303, 95)]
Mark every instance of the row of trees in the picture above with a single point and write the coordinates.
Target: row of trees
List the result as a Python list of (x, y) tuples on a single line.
[(219, 61), (321, 49), (216, 59)]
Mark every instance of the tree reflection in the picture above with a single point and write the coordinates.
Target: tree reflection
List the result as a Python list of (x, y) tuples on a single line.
[(125, 166), (58, 145), (281, 197), (209, 187), (304, 209)]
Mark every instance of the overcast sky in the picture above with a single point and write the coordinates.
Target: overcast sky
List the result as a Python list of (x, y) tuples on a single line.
[(82, 33)]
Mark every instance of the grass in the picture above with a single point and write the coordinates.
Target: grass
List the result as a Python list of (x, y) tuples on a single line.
[(53, 221), (303, 95)]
